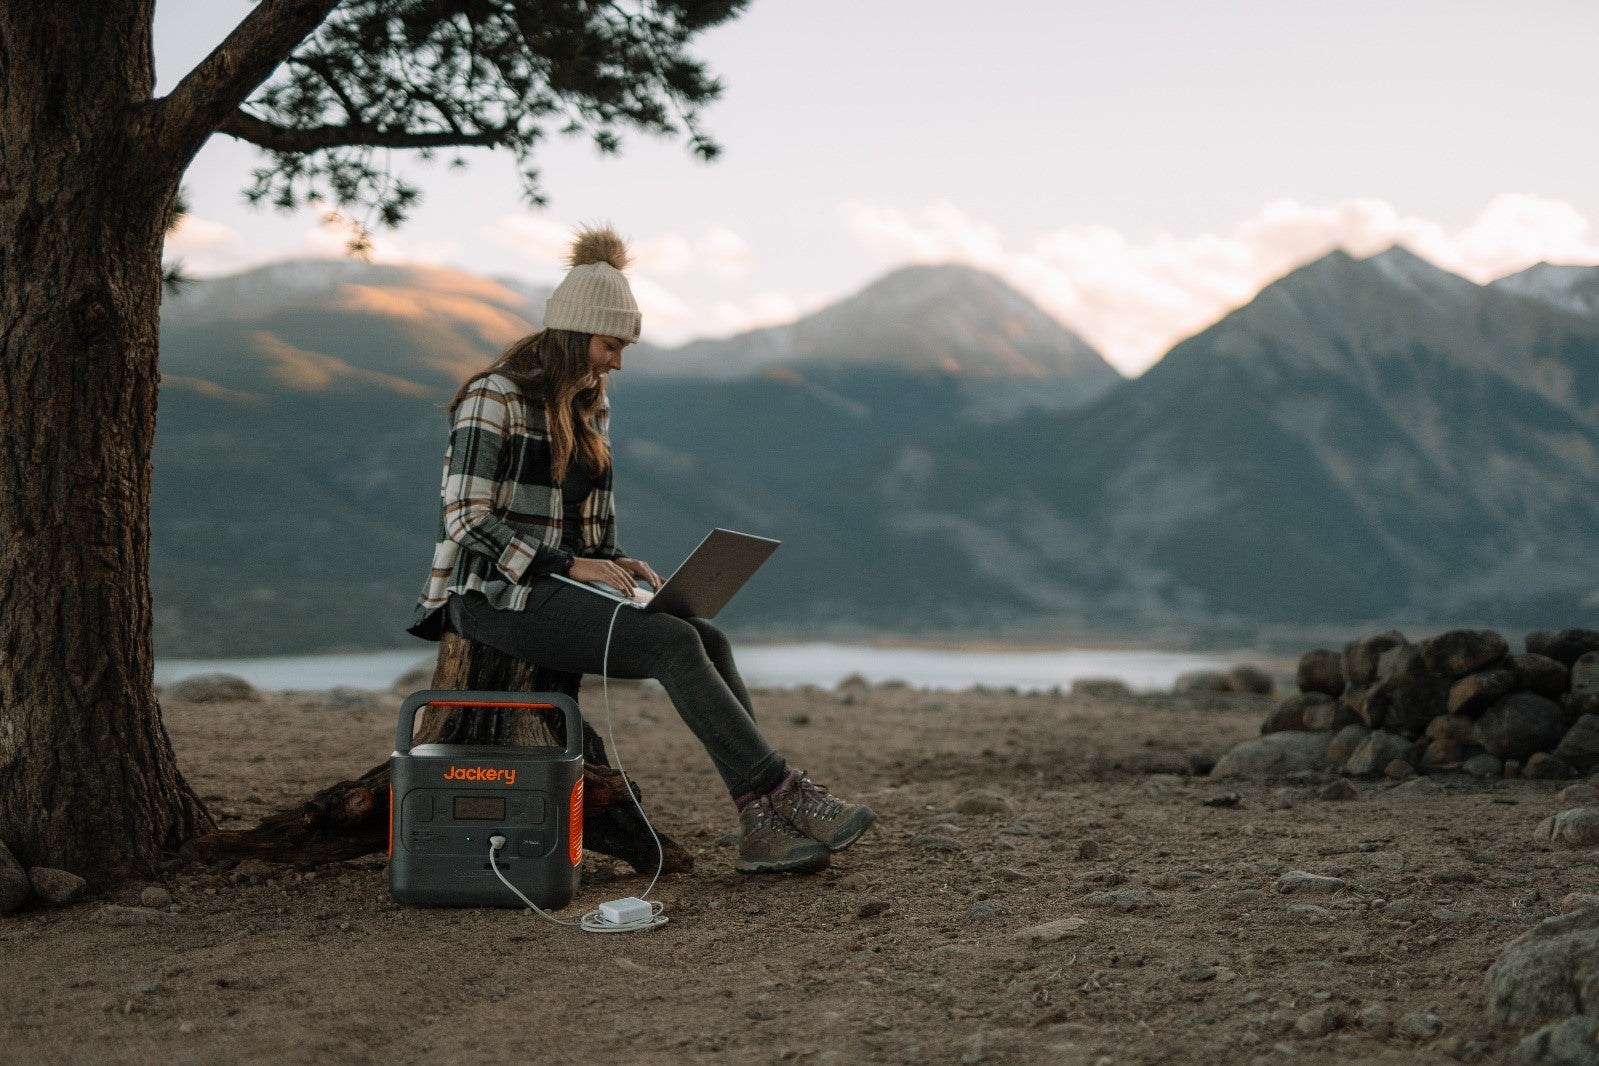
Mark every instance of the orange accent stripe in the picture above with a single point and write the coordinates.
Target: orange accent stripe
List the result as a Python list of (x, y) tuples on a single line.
[(574, 836), (475, 703)]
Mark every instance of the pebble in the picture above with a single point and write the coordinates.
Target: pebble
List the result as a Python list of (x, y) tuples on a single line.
[(1319, 1021), (1311, 911), (872, 908), (1021, 829), (1197, 973), (1420, 1026), (112, 914), (1226, 799), (1050, 932), (985, 909), (1125, 900), (1298, 881), (252, 870), (155, 896), (935, 842), (15, 887), (57, 887), (1374, 1019), (1163, 880), (1576, 828), (982, 801), (1583, 795), (1337, 791), (1089, 849), (1405, 910)]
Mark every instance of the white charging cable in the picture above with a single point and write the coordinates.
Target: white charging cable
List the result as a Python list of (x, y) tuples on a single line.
[(597, 921)]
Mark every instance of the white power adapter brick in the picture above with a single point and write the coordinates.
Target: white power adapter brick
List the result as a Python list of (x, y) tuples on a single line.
[(626, 911)]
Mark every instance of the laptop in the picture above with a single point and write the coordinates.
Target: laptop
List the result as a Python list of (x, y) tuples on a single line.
[(699, 588)]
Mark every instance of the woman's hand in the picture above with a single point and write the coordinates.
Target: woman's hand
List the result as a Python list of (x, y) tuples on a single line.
[(605, 572), (643, 571)]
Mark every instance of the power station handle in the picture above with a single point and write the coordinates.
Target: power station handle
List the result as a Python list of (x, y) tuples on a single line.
[(489, 701)]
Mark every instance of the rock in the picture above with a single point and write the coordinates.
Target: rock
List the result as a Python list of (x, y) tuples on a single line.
[(1088, 849), (1540, 674), (1577, 706), (59, 888), (1566, 646), (253, 870), (1375, 752), (1225, 799), (982, 801), (1549, 972), (1328, 717), (1274, 755), (1452, 727), (1298, 882), (1580, 746), (1583, 795), (15, 888), (1321, 671), (1252, 679), (1576, 828), (1197, 681), (1127, 899), (1484, 766), (984, 909), (212, 688), (1405, 910), (1585, 675), (1360, 656), (1407, 693), (1445, 755), (1571, 1041), (1542, 766), (1197, 973), (155, 896), (1101, 688), (1475, 693), (1374, 1019), (1519, 725), (1290, 713), (936, 842), (1050, 932), (1463, 651), (1398, 769), (1419, 1026), (1319, 1021), (1337, 791), (1345, 743)]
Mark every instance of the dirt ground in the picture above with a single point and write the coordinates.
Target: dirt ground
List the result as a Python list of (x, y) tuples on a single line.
[(911, 948)]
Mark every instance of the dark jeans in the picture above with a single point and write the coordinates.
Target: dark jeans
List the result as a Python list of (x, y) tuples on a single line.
[(564, 629)]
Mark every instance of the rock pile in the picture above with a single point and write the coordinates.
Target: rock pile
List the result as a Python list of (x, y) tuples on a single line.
[(1461, 700)]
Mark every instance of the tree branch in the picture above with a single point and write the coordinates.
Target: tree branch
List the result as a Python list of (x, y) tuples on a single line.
[(273, 138), (210, 92)]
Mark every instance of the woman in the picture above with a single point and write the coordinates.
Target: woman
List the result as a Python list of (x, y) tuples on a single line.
[(527, 494)]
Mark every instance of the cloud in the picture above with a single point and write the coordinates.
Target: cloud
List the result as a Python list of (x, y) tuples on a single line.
[(204, 246), (1134, 299), (718, 252)]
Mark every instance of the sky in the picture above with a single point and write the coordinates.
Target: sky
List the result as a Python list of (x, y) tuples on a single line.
[(1137, 168)]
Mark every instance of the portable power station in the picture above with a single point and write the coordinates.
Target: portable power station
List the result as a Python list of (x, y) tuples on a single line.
[(447, 800)]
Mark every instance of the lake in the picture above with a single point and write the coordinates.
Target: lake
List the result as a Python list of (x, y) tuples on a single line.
[(767, 665)]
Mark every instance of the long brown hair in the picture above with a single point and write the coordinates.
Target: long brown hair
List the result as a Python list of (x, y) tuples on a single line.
[(552, 368)]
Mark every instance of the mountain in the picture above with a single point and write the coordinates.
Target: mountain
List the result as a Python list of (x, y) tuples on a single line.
[(1367, 439), (1570, 288)]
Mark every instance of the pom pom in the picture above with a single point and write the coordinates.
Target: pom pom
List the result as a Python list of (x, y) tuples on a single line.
[(599, 245)]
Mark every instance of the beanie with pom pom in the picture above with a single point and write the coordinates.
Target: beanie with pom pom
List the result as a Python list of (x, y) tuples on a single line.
[(594, 297)]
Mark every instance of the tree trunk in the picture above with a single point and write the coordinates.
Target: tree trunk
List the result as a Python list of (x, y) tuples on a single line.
[(350, 818), (87, 777)]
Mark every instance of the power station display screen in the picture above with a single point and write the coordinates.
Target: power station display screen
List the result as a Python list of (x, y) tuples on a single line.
[(491, 808)]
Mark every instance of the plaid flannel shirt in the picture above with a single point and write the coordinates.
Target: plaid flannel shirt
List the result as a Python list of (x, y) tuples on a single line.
[(500, 520)]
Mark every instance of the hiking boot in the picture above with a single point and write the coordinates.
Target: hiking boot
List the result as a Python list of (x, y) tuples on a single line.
[(771, 844), (820, 816)]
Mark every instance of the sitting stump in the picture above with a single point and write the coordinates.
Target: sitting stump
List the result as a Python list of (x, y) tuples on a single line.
[(350, 819)]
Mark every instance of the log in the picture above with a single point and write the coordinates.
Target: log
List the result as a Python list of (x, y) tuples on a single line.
[(351, 818)]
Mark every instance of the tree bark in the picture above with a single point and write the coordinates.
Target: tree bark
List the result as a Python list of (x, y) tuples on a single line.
[(87, 777)]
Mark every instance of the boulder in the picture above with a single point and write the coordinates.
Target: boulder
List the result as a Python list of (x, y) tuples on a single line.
[(1540, 674), (1549, 972), (1253, 679), (1414, 695), (1520, 724), (1576, 706), (1196, 681), (1452, 727), (1484, 766), (1463, 651), (1274, 755), (1375, 752), (1321, 671), (1583, 795), (1475, 693), (1585, 675), (1366, 703), (1566, 646), (1290, 713), (1360, 656), (1571, 1041), (1542, 766), (59, 888), (1445, 754), (211, 688), (15, 888), (1345, 742), (1328, 717), (1576, 828)]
